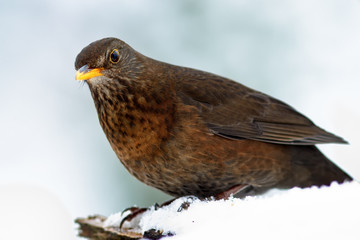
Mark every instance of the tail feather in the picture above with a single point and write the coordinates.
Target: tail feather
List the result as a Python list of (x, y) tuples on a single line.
[(312, 168)]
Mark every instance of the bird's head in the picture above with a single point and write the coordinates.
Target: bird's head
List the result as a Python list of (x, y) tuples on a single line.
[(108, 58)]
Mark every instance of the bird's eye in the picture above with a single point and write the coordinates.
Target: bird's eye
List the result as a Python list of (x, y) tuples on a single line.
[(114, 56)]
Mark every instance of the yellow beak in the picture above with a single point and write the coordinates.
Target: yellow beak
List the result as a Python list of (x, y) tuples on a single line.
[(85, 73)]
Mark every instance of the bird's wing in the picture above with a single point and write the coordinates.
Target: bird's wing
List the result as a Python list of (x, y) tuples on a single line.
[(234, 111)]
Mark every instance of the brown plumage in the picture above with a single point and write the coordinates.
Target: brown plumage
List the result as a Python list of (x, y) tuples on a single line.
[(189, 132)]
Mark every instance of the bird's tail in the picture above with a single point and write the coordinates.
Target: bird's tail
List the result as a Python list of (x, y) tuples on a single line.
[(312, 168)]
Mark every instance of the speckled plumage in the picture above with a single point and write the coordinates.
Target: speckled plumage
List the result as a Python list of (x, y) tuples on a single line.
[(189, 132)]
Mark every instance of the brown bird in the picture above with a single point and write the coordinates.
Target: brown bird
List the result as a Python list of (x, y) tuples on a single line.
[(189, 132)]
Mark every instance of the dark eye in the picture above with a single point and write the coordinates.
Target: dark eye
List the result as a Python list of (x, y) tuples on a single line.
[(114, 56)]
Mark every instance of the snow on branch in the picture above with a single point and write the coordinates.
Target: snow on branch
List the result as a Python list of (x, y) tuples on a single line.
[(313, 213)]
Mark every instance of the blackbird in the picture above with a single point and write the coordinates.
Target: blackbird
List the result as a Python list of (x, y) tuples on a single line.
[(190, 132)]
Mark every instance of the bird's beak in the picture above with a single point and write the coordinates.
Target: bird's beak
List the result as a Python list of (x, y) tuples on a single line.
[(85, 73)]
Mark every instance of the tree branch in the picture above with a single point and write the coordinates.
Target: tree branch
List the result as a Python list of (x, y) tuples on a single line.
[(93, 228)]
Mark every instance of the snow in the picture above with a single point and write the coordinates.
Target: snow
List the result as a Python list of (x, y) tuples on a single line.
[(313, 213)]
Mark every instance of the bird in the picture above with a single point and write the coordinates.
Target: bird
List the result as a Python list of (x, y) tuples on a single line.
[(190, 132)]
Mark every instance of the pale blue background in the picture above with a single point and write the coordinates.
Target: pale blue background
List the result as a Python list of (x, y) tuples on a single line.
[(305, 53)]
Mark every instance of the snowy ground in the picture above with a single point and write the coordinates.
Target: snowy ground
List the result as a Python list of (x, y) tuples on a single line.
[(314, 213)]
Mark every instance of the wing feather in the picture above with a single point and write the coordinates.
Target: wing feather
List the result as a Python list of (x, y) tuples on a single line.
[(235, 111)]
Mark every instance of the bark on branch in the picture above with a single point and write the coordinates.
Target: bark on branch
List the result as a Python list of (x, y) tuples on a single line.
[(93, 228)]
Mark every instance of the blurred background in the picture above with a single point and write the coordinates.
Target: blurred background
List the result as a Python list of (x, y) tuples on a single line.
[(55, 162)]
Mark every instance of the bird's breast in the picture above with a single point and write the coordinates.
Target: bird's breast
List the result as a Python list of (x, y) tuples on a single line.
[(135, 124)]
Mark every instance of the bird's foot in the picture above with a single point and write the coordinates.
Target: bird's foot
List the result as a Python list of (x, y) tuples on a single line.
[(157, 206), (232, 191), (134, 212), (185, 205)]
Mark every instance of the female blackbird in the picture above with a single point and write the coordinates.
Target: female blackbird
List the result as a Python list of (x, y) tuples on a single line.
[(189, 132)]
